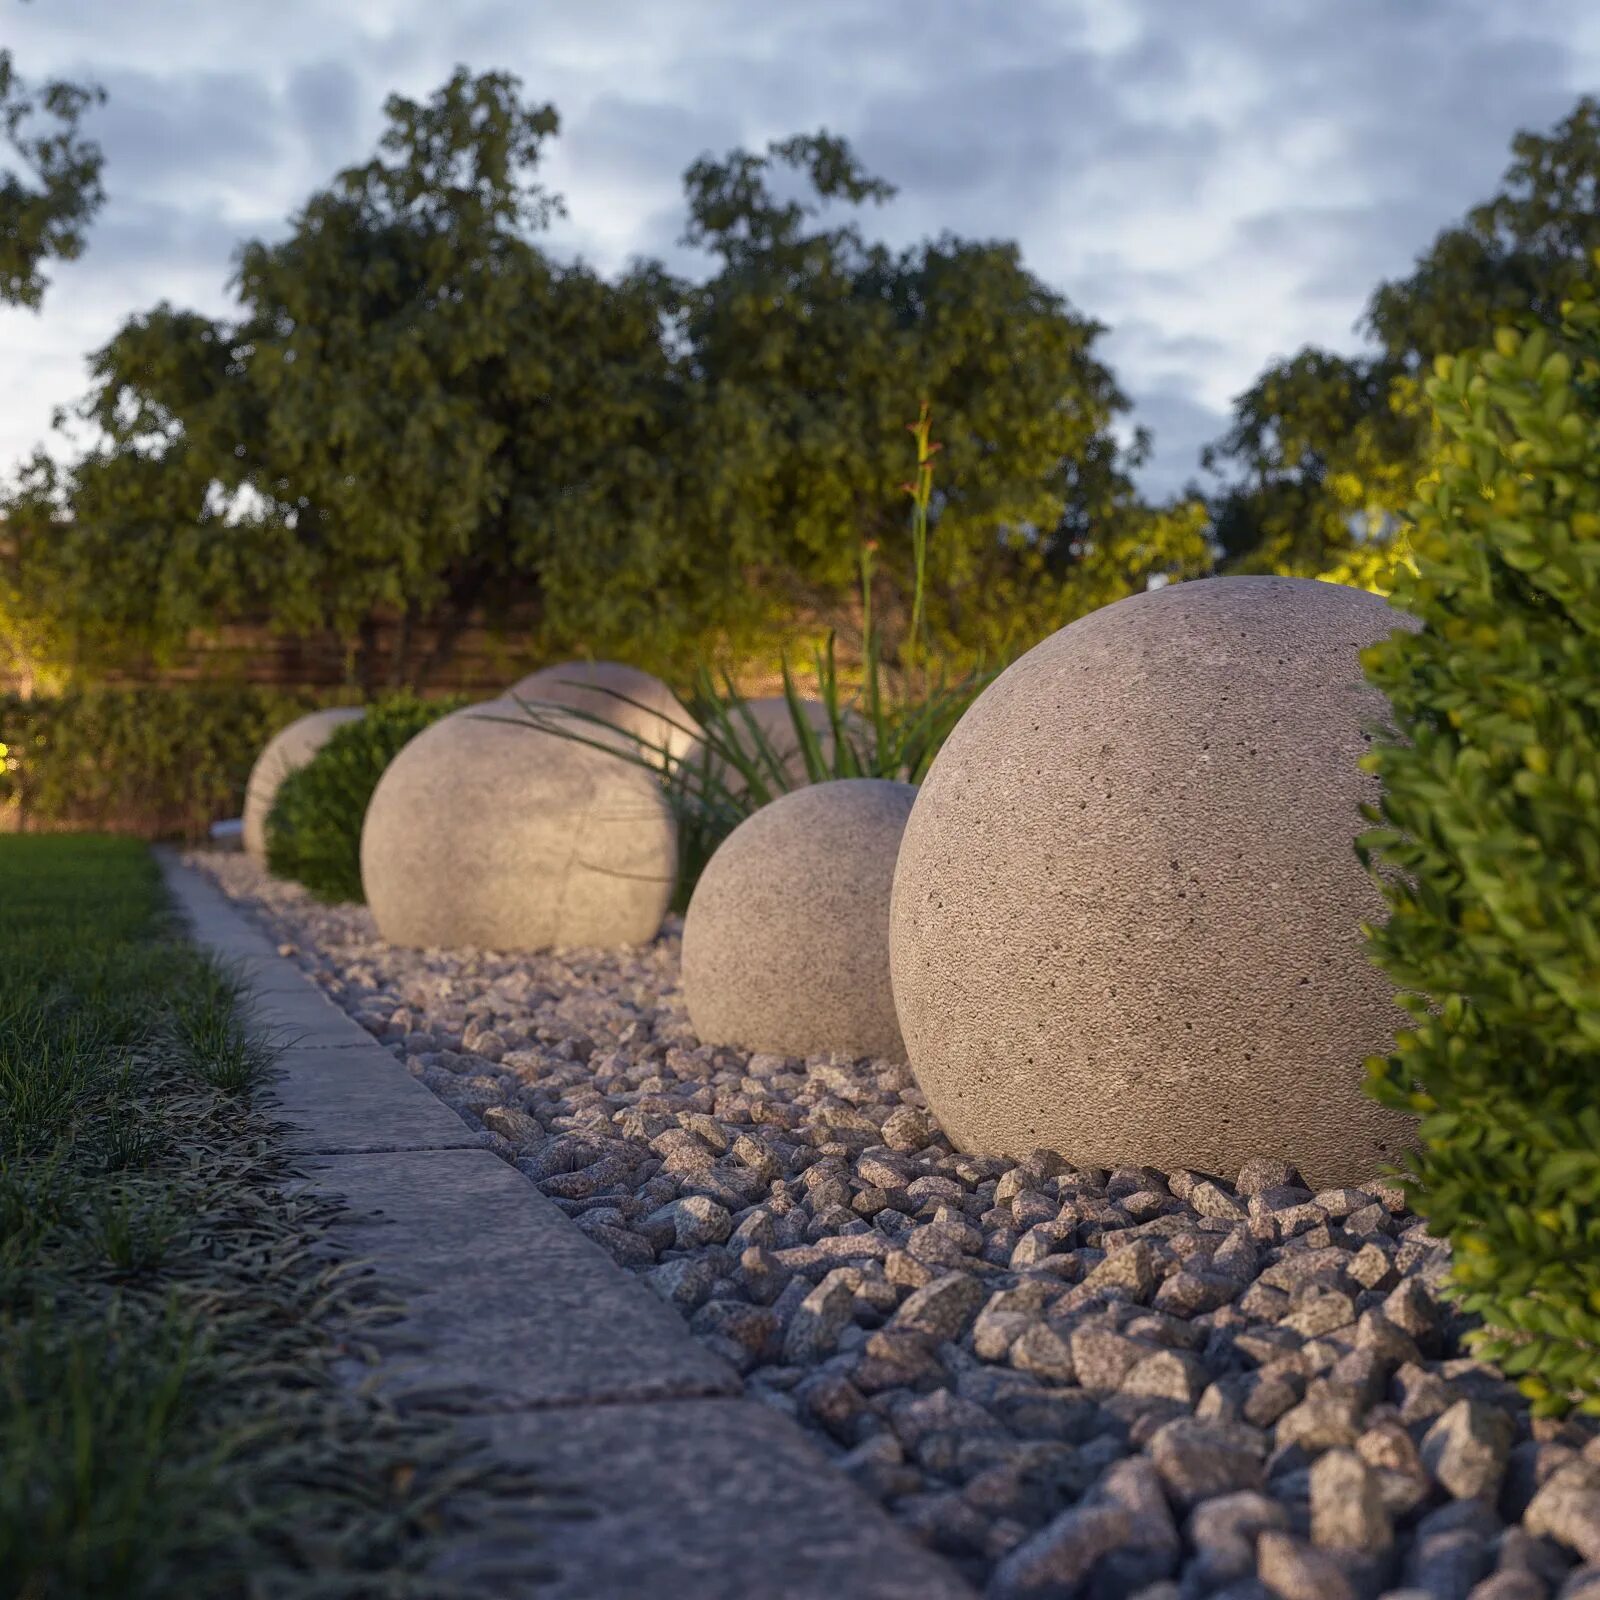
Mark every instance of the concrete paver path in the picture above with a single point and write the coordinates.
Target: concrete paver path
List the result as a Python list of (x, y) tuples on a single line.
[(550, 1352)]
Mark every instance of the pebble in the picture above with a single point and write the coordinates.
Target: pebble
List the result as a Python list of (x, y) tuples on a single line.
[(823, 1314), (942, 1309), (1293, 1570), (1467, 1447), (1567, 1509), (1074, 1381), (1347, 1509), (1061, 1555)]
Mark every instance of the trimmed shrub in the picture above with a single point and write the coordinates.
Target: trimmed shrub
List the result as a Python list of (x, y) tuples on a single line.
[(314, 827), (1491, 813), (158, 763)]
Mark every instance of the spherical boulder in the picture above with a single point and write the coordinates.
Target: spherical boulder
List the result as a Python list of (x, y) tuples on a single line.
[(786, 940), (499, 836), (584, 686), (1126, 914), (289, 748)]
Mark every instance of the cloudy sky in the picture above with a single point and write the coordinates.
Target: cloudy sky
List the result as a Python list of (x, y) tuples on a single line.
[(1219, 181)]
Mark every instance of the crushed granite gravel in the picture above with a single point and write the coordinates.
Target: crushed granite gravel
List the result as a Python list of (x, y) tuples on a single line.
[(1070, 1382)]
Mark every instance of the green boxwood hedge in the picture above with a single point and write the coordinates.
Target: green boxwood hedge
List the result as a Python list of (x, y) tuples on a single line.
[(157, 763), (314, 827), (1492, 812)]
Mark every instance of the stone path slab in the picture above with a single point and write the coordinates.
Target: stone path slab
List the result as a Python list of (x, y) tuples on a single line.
[(307, 1016), (344, 1101), (504, 1294), (726, 1496), (548, 1350)]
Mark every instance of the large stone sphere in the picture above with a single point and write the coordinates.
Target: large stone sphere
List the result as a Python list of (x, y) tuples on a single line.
[(286, 750), (488, 834), (1126, 914), (582, 686), (786, 940)]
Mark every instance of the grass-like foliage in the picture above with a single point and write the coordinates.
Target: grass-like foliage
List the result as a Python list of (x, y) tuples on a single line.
[(1491, 813), (314, 827), (740, 766), (173, 1317)]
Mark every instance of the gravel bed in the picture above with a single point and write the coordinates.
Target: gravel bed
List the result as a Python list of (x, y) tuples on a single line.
[(1107, 1383)]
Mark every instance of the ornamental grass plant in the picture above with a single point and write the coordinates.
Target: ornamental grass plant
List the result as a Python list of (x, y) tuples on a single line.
[(740, 767), (1491, 814)]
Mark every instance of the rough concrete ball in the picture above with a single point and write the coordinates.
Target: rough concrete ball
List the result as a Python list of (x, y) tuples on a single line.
[(1126, 914), (486, 834), (286, 750), (786, 940), (581, 685), (771, 714)]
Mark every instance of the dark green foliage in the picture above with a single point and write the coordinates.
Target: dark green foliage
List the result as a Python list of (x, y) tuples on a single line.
[(314, 828), (1491, 813), (418, 414), (153, 762), (1320, 438), (45, 207)]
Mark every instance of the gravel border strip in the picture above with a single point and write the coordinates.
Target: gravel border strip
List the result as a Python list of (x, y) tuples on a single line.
[(1129, 1382)]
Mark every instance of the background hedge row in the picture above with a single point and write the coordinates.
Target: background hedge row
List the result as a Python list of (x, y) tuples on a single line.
[(158, 763)]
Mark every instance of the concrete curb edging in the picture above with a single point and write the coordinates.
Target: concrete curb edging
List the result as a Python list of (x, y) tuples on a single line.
[(548, 1350)]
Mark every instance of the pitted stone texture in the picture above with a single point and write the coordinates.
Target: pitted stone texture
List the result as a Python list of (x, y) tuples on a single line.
[(1126, 918), (660, 717), (496, 836), (288, 749), (786, 941)]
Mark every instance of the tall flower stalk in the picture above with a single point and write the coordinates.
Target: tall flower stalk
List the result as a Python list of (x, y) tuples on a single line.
[(921, 493)]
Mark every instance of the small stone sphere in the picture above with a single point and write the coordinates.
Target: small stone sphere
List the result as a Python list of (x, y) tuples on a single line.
[(581, 685), (786, 940), (492, 835), (286, 750), (1126, 918)]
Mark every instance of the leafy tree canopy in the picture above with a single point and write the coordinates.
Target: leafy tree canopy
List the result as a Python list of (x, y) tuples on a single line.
[(812, 349), (1323, 440), (418, 414), (48, 200)]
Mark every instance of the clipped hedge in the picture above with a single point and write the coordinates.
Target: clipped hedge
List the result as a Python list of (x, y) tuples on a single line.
[(1493, 810), (157, 763), (314, 827)]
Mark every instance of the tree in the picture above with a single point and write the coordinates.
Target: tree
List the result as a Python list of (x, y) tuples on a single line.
[(815, 350), (45, 208), (419, 418), (1326, 442), (405, 422)]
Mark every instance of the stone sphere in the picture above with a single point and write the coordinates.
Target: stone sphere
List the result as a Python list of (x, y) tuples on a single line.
[(581, 685), (786, 940), (486, 834), (1126, 913), (772, 716), (286, 750)]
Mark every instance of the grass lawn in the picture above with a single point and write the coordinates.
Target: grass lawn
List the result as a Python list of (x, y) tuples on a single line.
[(176, 1333)]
